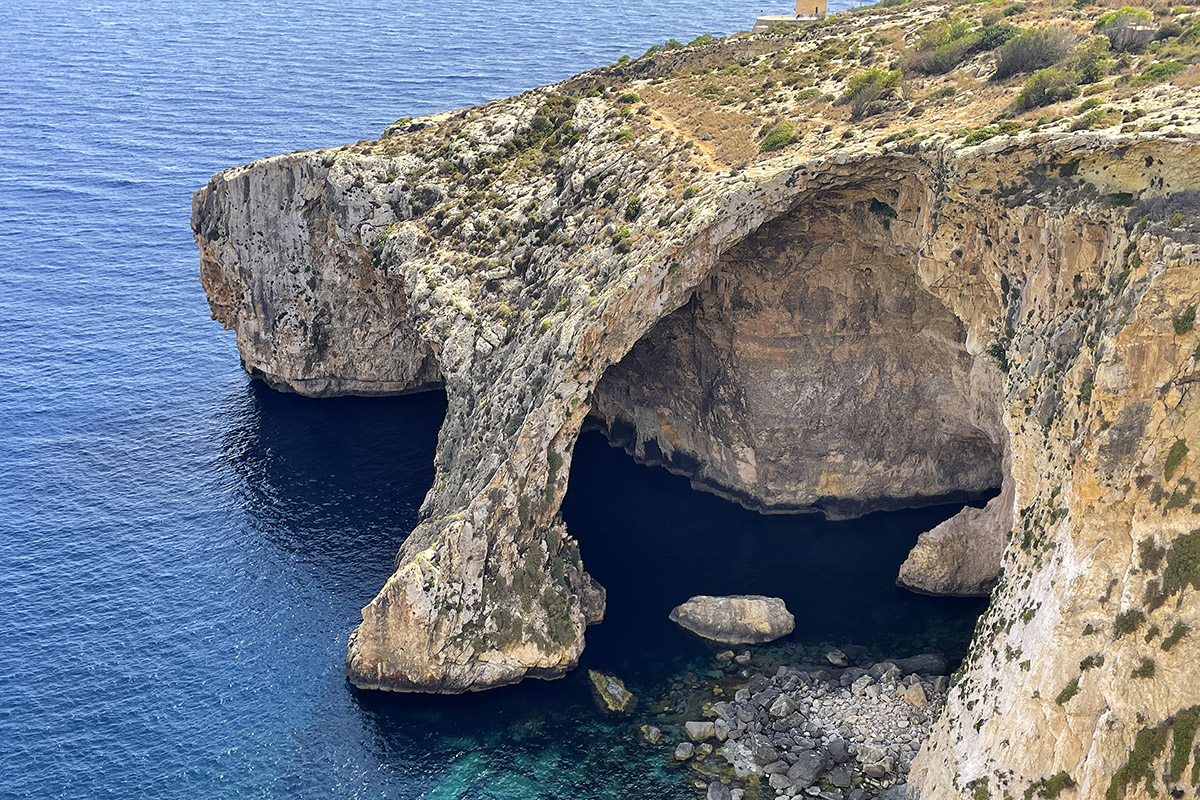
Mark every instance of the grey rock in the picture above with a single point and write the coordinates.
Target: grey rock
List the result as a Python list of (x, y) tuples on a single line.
[(650, 734), (684, 751), (698, 731), (718, 791), (837, 750), (840, 777), (808, 768), (779, 781), (763, 751), (725, 711), (782, 707), (837, 658)]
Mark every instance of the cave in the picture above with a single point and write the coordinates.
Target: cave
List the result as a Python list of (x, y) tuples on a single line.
[(813, 372)]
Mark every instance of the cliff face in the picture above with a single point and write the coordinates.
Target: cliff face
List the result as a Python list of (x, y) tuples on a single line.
[(865, 318)]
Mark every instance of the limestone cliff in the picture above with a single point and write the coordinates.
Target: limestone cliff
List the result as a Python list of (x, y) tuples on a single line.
[(744, 270)]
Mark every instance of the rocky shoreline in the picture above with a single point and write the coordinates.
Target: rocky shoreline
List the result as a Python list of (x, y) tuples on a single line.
[(819, 721)]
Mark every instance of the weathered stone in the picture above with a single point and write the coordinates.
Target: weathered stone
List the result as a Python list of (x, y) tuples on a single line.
[(837, 658), (925, 664), (610, 693), (915, 696), (782, 707), (808, 768), (684, 751), (718, 791), (698, 731), (840, 777), (737, 619), (650, 734)]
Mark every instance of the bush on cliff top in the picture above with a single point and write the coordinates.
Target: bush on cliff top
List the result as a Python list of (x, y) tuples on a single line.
[(866, 88), (1030, 51), (778, 137), (1048, 86)]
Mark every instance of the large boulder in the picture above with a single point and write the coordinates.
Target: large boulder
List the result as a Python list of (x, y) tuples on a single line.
[(736, 619)]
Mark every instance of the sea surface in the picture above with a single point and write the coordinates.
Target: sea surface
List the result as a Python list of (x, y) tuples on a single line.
[(183, 552)]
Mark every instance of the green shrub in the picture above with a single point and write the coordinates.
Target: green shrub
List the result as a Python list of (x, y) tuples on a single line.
[(867, 88), (948, 56), (1014, 9), (1096, 118), (633, 209), (1127, 622), (1091, 59), (1050, 788), (690, 192), (1030, 51), (1144, 670), (1069, 691), (992, 36), (628, 97), (1185, 321), (1048, 86), (1183, 564), (778, 137), (1160, 71), (1177, 633)]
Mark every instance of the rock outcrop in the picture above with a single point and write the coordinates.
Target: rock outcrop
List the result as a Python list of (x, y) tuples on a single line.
[(736, 619), (893, 302)]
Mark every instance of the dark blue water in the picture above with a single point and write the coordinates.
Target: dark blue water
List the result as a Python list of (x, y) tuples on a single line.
[(183, 553)]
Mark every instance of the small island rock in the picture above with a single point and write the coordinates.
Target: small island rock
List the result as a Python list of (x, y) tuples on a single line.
[(736, 619), (611, 694)]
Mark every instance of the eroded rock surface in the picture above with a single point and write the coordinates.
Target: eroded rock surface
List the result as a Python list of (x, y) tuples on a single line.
[(735, 619), (1018, 302)]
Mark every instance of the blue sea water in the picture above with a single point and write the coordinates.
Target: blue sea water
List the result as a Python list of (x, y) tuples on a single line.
[(183, 552)]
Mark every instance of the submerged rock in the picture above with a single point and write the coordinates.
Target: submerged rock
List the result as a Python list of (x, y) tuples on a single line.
[(735, 619), (611, 695)]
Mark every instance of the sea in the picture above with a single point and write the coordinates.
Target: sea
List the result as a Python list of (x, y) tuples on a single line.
[(183, 551)]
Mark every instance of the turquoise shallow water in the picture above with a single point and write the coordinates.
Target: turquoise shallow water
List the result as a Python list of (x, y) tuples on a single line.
[(182, 552)]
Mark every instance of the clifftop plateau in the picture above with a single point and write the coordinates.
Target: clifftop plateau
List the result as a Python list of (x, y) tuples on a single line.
[(901, 254)]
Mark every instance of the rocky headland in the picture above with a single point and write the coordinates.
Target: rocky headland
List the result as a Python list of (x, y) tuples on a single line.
[(908, 253)]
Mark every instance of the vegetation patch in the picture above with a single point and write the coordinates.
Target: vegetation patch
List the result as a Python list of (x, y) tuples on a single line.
[(1051, 787), (867, 91), (1069, 691), (1185, 321), (1183, 564), (778, 137), (1173, 638), (1140, 766), (1175, 456), (1144, 669), (1030, 51), (1046, 87), (1127, 622)]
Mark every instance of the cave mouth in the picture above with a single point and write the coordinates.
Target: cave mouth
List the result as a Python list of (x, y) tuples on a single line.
[(813, 371), (653, 541)]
